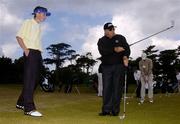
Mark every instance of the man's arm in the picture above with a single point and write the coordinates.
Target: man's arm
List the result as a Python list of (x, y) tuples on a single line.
[(141, 68), (126, 61), (22, 45), (103, 50), (118, 49), (150, 66), (126, 51), (20, 36)]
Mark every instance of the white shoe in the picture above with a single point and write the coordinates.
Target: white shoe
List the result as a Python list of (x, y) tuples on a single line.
[(99, 95), (141, 101), (151, 101), (33, 113)]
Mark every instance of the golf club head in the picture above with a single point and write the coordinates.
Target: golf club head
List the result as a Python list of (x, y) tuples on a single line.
[(172, 23)]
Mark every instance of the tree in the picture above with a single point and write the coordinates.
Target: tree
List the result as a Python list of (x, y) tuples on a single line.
[(177, 61), (72, 56), (59, 53), (86, 62), (167, 61), (8, 71), (19, 65), (150, 52)]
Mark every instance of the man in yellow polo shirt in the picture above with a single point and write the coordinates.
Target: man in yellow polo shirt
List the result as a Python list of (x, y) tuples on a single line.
[(29, 39)]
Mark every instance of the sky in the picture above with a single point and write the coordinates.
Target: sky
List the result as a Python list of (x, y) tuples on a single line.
[(80, 23)]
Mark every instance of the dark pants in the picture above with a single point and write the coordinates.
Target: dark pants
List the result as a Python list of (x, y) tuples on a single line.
[(32, 65), (138, 89), (113, 80)]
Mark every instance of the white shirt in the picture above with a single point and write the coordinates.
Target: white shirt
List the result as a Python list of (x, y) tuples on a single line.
[(178, 76), (137, 75)]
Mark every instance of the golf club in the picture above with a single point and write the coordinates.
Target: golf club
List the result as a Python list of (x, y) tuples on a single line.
[(172, 25), (125, 83)]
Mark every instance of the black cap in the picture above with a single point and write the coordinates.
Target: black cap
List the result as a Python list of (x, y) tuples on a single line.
[(109, 25), (40, 9)]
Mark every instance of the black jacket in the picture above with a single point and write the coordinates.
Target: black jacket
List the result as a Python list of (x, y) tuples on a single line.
[(106, 49)]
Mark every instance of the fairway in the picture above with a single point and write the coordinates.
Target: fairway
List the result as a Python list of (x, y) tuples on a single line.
[(60, 108)]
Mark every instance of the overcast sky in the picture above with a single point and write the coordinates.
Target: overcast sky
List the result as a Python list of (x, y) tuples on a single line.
[(80, 23)]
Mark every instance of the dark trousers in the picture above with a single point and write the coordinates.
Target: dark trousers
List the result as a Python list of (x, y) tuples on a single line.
[(32, 65), (138, 89), (113, 80)]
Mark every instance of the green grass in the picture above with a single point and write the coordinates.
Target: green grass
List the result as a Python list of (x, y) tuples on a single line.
[(60, 108)]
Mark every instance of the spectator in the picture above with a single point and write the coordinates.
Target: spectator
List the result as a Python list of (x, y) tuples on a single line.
[(146, 66), (137, 77)]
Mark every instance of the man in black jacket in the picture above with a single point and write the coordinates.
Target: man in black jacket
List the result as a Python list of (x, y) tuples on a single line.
[(114, 51)]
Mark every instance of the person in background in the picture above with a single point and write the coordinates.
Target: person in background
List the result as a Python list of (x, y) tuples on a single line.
[(146, 66), (137, 77), (178, 79), (29, 39)]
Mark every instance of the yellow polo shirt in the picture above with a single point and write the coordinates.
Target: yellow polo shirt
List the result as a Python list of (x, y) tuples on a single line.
[(30, 32)]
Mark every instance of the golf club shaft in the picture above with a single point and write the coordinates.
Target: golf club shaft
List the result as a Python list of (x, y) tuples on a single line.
[(125, 83), (152, 35)]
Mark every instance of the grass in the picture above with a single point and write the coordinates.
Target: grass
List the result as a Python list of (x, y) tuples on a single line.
[(60, 108)]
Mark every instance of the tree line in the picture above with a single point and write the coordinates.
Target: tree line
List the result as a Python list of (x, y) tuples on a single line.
[(79, 67)]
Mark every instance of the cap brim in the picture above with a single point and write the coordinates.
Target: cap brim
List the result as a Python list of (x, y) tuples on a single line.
[(110, 27), (47, 13)]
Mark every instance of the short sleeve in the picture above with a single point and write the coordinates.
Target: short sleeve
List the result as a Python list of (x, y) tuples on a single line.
[(21, 33)]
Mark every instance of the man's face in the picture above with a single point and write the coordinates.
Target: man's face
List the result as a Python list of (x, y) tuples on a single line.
[(144, 56), (109, 33), (41, 16)]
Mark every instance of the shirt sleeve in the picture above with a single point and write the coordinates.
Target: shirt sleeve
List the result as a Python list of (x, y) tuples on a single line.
[(126, 47), (103, 50), (141, 68), (150, 66), (23, 30)]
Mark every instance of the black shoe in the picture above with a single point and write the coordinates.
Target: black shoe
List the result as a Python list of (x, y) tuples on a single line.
[(20, 107), (104, 113)]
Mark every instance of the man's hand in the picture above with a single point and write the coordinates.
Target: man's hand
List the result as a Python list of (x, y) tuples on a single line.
[(118, 49), (26, 52), (126, 61), (23, 46), (144, 77)]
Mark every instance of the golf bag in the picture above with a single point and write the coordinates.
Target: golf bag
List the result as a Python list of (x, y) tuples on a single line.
[(46, 86)]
